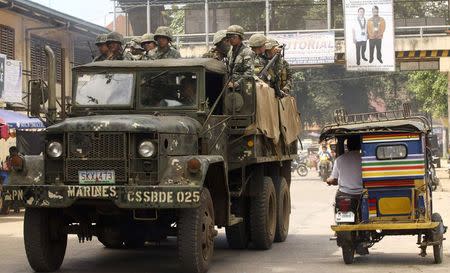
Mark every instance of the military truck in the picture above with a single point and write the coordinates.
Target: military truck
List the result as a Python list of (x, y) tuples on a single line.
[(150, 150)]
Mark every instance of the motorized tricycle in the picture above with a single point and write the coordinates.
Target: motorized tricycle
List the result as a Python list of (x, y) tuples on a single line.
[(397, 188)]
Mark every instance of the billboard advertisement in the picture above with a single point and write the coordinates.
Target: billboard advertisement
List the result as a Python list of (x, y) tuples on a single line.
[(308, 48), (369, 35)]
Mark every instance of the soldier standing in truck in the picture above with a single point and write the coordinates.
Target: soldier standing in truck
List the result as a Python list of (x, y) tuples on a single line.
[(241, 60)]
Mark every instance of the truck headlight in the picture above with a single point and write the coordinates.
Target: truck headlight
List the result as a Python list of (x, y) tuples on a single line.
[(147, 149), (54, 149)]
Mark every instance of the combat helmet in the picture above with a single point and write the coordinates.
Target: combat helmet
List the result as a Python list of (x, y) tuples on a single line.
[(163, 32), (136, 43), (257, 40), (219, 36), (101, 39), (271, 43), (235, 30), (148, 38), (114, 37)]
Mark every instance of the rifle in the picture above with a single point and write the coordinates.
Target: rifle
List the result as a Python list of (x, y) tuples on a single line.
[(265, 72), (92, 51)]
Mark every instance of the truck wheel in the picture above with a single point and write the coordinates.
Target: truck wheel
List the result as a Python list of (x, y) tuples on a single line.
[(4, 207), (438, 250), (45, 239), (283, 210), (263, 211), (110, 238), (238, 235), (196, 235)]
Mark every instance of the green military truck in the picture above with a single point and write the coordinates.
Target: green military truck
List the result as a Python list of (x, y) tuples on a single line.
[(150, 150)]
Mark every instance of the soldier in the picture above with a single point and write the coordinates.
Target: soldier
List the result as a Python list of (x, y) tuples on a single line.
[(221, 47), (100, 42), (136, 52), (280, 75), (114, 42), (240, 57), (257, 43), (165, 50), (149, 44)]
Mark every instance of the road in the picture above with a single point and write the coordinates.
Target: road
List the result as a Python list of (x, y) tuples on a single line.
[(308, 248)]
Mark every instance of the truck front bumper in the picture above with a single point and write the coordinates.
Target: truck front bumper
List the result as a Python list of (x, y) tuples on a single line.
[(126, 197)]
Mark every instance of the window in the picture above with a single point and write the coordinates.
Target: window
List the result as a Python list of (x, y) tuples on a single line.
[(39, 67), (82, 56), (390, 152), (7, 41)]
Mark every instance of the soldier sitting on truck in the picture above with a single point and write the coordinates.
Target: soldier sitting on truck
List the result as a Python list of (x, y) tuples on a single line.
[(188, 91), (149, 44), (257, 42), (165, 50), (136, 52), (221, 47), (115, 42), (103, 49), (240, 57), (280, 75)]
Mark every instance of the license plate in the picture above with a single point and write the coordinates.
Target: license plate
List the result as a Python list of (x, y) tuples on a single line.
[(345, 217), (96, 177)]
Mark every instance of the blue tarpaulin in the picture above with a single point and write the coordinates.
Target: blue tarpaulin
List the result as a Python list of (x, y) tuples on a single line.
[(19, 121)]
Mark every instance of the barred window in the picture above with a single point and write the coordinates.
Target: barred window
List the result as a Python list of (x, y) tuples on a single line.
[(7, 41), (82, 56), (39, 67)]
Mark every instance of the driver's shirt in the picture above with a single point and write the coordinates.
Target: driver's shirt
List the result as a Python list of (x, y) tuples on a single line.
[(347, 170)]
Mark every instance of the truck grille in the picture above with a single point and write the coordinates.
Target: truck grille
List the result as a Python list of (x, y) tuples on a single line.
[(96, 151)]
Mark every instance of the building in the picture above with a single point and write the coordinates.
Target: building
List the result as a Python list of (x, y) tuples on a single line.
[(26, 27)]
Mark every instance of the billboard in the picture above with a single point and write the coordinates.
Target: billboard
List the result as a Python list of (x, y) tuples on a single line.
[(369, 35), (308, 48)]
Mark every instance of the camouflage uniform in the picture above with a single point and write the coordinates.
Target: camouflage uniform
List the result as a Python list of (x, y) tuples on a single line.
[(148, 38), (261, 60), (115, 37), (280, 74), (241, 58), (217, 52), (135, 44), (169, 52), (101, 39)]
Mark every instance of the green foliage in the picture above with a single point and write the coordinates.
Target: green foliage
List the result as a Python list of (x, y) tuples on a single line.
[(175, 19), (430, 90)]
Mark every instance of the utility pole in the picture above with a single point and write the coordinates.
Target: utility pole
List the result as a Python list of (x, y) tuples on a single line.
[(114, 13), (329, 14), (148, 17), (207, 24), (267, 17)]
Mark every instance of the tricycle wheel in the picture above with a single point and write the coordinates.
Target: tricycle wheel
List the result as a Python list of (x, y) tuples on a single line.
[(45, 239), (348, 253), (263, 215), (438, 234), (283, 210), (196, 235), (302, 170)]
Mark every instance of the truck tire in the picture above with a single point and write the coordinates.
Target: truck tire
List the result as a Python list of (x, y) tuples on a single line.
[(263, 211), (438, 249), (45, 239), (196, 235), (283, 210), (4, 207), (238, 236)]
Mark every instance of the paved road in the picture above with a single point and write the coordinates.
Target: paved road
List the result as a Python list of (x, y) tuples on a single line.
[(308, 248)]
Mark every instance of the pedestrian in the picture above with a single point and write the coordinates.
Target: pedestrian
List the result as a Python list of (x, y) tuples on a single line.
[(165, 50), (115, 42), (100, 42), (280, 76), (360, 36), (149, 45), (257, 43), (240, 57), (375, 28), (221, 47), (135, 52)]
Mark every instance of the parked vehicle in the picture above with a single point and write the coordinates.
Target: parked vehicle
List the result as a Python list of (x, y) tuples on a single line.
[(396, 169), (299, 165)]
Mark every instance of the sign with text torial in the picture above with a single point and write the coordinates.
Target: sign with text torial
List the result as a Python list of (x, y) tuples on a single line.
[(369, 35), (308, 48)]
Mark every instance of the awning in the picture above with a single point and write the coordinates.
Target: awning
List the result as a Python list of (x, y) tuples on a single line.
[(18, 121)]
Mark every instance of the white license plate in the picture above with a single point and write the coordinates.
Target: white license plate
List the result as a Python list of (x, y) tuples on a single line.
[(96, 177), (345, 217)]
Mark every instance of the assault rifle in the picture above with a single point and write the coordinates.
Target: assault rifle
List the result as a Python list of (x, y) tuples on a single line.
[(264, 73)]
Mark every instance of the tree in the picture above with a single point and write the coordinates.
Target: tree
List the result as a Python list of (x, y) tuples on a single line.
[(430, 90)]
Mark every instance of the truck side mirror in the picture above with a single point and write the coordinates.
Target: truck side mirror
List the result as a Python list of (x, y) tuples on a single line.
[(38, 96)]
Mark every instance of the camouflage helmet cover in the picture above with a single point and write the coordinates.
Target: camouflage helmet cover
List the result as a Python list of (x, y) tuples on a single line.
[(101, 39), (136, 43), (257, 40), (163, 32), (114, 37), (148, 38), (235, 30), (271, 43), (219, 36)]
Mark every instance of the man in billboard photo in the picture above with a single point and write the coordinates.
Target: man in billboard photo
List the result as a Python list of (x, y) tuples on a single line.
[(360, 36), (375, 28)]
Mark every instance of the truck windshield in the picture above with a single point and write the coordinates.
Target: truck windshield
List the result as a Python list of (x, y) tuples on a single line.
[(104, 89), (168, 89)]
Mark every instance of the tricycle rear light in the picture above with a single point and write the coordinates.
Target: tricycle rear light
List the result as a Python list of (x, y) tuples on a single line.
[(344, 205)]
